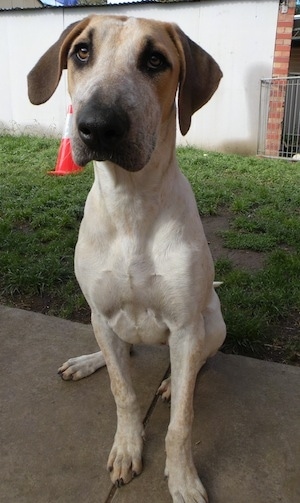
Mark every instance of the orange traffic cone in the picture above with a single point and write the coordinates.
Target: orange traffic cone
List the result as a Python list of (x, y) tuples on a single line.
[(65, 164)]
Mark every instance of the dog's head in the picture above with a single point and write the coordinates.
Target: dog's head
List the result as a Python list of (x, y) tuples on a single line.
[(123, 75)]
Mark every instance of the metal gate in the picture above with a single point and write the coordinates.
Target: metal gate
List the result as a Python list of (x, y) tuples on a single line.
[(279, 118)]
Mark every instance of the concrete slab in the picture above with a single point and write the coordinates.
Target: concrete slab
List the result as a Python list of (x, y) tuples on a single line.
[(247, 431), (246, 435), (55, 436)]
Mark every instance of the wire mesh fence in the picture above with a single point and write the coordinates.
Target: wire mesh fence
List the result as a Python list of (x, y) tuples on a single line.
[(279, 123)]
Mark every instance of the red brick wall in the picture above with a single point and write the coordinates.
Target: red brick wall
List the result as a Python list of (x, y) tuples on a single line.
[(281, 62)]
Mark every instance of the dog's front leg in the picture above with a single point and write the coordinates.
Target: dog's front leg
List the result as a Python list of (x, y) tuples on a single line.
[(125, 459), (186, 351)]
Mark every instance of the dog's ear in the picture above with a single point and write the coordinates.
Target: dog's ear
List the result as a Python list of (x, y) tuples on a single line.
[(45, 76), (199, 78)]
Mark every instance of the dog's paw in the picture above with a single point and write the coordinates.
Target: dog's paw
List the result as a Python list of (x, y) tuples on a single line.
[(165, 390), (193, 496), (189, 491), (186, 487), (81, 366), (125, 459)]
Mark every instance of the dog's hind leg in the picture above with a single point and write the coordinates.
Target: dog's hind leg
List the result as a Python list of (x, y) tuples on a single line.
[(215, 328), (81, 366), (165, 389), (215, 333)]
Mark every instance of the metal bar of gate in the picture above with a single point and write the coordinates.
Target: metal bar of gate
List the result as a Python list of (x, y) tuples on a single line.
[(279, 117)]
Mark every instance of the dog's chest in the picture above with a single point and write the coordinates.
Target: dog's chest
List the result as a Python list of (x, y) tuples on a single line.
[(138, 324), (128, 292), (137, 273)]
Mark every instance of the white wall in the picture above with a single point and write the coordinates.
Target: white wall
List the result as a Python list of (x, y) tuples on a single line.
[(239, 34)]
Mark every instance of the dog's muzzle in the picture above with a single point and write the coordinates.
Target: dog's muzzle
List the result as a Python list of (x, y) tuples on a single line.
[(102, 129), (101, 133)]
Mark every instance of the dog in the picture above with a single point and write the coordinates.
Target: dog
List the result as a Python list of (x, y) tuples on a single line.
[(142, 260)]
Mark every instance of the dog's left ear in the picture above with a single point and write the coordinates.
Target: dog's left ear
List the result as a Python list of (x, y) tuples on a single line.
[(44, 77), (199, 78)]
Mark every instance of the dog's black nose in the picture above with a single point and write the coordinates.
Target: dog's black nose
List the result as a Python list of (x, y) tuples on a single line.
[(101, 127)]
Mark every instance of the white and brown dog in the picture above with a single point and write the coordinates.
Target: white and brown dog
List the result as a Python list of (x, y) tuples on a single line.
[(141, 259)]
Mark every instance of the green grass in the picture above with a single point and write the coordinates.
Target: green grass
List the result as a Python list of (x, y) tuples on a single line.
[(40, 216), (263, 198), (39, 221), (263, 195)]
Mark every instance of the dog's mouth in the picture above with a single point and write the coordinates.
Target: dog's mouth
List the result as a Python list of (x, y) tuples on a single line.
[(129, 155)]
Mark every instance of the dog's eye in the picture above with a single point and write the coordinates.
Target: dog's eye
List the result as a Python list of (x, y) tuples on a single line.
[(152, 61), (156, 61), (82, 52)]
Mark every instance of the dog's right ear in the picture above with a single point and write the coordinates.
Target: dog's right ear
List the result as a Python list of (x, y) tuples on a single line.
[(199, 78), (45, 76)]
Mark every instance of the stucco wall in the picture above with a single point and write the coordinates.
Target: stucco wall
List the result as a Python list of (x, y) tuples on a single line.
[(239, 34)]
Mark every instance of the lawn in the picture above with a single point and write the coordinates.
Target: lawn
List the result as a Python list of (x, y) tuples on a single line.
[(260, 198)]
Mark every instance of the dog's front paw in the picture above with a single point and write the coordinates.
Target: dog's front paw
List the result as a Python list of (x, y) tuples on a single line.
[(185, 485), (125, 459)]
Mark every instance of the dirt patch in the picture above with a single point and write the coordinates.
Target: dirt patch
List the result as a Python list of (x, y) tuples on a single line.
[(243, 259), (286, 345)]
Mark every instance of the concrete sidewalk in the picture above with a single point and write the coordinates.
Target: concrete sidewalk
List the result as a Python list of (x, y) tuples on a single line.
[(56, 436)]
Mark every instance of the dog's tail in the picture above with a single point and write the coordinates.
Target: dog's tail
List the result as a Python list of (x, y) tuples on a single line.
[(216, 284)]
